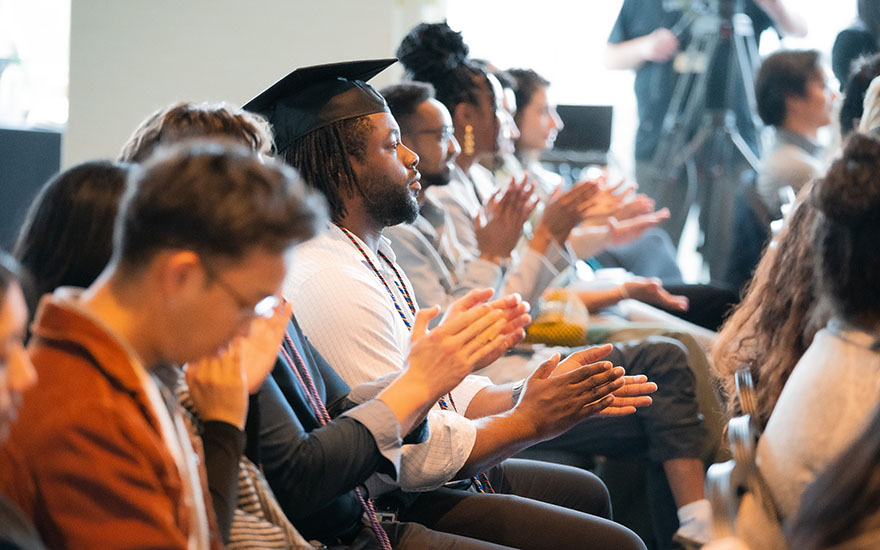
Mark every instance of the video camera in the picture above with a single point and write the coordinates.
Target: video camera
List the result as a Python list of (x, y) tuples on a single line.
[(722, 8)]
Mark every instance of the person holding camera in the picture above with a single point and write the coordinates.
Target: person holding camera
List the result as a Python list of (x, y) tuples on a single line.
[(652, 37)]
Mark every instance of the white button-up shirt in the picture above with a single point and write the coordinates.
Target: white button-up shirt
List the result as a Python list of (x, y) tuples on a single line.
[(347, 313)]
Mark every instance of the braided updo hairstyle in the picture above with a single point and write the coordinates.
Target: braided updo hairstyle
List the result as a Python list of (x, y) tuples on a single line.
[(434, 53), (848, 230)]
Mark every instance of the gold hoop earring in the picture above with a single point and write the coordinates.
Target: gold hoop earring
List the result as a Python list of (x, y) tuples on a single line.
[(468, 142)]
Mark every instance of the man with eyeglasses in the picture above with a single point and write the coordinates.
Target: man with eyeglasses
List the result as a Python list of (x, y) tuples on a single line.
[(427, 245), (203, 241)]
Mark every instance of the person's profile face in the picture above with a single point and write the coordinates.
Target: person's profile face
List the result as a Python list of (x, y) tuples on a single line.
[(539, 123), (17, 373), (387, 178), (509, 131), (490, 120), (221, 304), (821, 97), (432, 138), (814, 107)]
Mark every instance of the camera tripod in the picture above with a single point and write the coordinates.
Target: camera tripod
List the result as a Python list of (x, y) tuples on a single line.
[(699, 139)]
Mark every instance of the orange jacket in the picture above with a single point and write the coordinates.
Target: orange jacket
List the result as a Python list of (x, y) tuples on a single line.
[(86, 460)]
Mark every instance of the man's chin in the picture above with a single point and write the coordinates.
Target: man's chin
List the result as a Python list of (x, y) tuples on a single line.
[(436, 180)]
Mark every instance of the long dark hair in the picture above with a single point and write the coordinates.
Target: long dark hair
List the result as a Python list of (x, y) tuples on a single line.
[(67, 236)]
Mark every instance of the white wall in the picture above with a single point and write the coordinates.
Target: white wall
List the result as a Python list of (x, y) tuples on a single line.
[(129, 58)]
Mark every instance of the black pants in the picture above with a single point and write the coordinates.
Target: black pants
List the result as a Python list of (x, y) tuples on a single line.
[(670, 428), (709, 303), (412, 536), (537, 506)]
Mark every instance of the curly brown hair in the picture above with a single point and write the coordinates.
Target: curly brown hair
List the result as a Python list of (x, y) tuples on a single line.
[(777, 319), (197, 120)]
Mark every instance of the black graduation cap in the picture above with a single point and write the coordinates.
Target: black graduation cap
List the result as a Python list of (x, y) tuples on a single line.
[(310, 98)]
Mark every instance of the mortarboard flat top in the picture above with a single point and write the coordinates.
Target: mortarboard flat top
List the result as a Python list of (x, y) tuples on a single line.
[(310, 98)]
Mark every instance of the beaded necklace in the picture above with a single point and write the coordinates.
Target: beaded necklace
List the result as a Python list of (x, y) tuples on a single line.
[(401, 286), (481, 482), (307, 383)]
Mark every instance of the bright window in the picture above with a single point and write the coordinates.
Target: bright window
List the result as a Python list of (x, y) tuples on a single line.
[(34, 53)]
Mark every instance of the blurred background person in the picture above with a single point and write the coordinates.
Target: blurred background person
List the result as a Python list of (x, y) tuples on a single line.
[(17, 374), (649, 37), (858, 40)]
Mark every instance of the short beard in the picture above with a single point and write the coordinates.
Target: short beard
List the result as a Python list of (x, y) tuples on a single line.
[(388, 204), (436, 180)]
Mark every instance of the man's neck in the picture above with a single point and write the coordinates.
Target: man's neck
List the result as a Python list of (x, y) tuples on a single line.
[(465, 162), (118, 308), (365, 229), (802, 129)]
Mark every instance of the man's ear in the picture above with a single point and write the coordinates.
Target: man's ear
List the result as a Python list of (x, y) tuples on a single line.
[(180, 274), (793, 106)]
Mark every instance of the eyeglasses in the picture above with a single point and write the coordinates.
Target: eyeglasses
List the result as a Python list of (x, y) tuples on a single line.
[(444, 134), (263, 308)]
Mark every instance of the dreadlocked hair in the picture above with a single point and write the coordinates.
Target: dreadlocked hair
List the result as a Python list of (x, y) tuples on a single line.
[(434, 53), (323, 159)]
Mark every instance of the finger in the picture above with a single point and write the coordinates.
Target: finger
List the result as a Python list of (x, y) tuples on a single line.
[(585, 191), (596, 407), (513, 320), (517, 313), (471, 299), (636, 390), (616, 410), (478, 332), (598, 376), (522, 199), (507, 301), (598, 386), (546, 368), (456, 321), (677, 302), (528, 209), (492, 340), (423, 317), (277, 324), (515, 325), (236, 365), (480, 220), (638, 401), (590, 355)]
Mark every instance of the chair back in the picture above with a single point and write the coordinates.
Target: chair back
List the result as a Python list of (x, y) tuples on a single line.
[(728, 482)]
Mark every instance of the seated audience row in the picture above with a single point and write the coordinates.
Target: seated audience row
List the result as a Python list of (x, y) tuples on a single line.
[(246, 352), (502, 327)]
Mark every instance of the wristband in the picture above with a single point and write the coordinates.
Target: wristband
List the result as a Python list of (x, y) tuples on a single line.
[(517, 391)]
